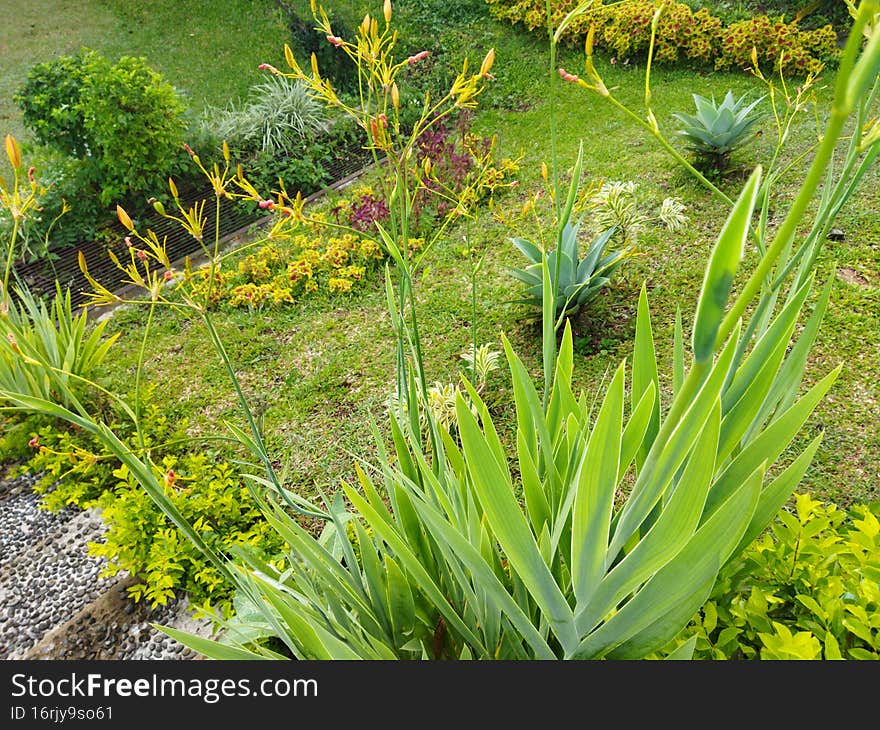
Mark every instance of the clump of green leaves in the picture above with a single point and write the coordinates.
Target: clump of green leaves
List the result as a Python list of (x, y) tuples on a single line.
[(809, 588), (41, 342), (278, 115), (717, 129)]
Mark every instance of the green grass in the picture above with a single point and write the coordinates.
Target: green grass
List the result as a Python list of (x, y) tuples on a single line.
[(317, 371), (209, 50)]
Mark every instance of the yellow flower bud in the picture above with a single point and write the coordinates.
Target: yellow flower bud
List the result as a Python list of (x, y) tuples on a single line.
[(387, 10), (225, 151), (487, 62), (13, 152), (395, 95), (544, 171), (172, 187), (124, 219), (588, 44)]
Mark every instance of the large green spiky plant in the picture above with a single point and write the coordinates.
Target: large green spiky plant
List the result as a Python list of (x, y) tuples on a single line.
[(598, 533)]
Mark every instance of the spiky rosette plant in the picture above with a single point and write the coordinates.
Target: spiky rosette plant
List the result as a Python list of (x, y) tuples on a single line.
[(716, 129)]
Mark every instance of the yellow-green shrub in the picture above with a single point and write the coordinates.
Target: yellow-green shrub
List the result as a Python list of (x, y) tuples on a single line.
[(807, 589)]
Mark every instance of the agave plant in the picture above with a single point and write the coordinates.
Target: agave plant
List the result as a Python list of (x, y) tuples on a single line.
[(579, 279), (716, 130)]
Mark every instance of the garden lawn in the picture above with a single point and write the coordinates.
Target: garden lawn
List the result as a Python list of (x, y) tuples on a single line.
[(208, 50), (318, 370)]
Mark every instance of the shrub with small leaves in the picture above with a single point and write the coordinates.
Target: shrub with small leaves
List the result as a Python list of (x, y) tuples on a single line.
[(76, 470), (809, 588), (623, 30)]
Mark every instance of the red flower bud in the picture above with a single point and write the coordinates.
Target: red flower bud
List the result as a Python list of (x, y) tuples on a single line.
[(420, 56), (128, 241), (334, 40), (141, 255), (168, 276), (170, 478), (567, 76), (268, 67), (189, 150), (34, 443), (30, 173)]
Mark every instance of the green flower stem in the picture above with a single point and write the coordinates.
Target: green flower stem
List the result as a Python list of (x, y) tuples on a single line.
[(655, 133), (9, 257), (841, 108), (139, 376)]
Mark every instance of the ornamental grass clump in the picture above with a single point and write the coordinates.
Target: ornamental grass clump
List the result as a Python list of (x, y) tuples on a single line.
[(601, 530)]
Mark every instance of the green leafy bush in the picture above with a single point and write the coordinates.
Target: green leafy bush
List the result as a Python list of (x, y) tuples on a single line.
[(809, 588), (123, 120), (141, 540), (76, 469), (50, 105), (135, 118)]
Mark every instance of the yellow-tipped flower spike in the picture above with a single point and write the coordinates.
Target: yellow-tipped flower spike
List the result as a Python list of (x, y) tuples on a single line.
[(487, 62), (124, 219), (291, 60), (387, 11), (225, 151), (13, 152)]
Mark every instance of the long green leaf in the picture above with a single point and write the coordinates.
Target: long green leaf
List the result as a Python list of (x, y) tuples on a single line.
[(721, 270)]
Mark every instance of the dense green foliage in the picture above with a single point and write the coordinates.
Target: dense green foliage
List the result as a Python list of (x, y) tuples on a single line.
[(75, 469), (809, 588), (42, 342), (122, 118)]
